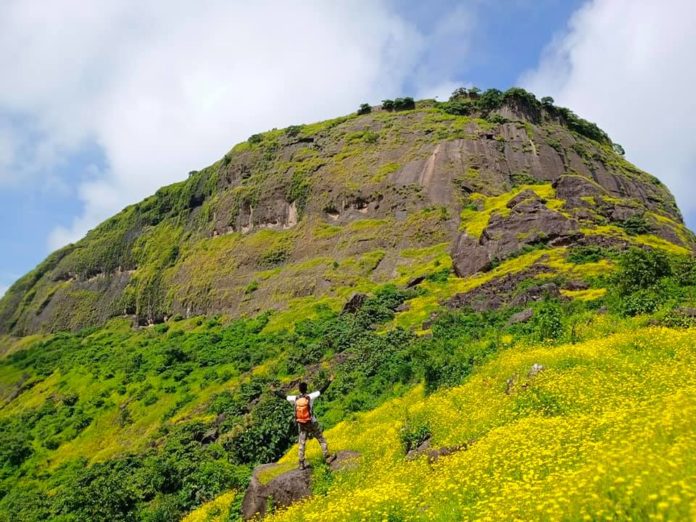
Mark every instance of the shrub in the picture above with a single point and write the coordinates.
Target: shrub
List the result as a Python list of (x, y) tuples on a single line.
[(413, 434), (588, 254), (548, 324), (388, 105), (636, 225), (640, 269), (458, 107), (404, 104), (643, 301), (364, 109), (293, 130), (490, 100)]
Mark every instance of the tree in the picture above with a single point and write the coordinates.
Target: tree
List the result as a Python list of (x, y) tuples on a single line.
[(364, 108), (404, 104), (459, 92), (619, 149), (547, 101), (388, 105), (490, 100)]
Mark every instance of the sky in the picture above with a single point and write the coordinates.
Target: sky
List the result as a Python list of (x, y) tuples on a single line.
[(103, 102)]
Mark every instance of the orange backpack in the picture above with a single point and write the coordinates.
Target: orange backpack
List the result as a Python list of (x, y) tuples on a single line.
[(303, 410)]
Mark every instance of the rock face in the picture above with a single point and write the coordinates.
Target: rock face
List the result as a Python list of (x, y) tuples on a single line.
[(344, 204), (285, 489), (528, 222), (280, 492)]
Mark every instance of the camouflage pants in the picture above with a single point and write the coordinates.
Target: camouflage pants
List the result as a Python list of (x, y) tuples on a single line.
[(311, 430)]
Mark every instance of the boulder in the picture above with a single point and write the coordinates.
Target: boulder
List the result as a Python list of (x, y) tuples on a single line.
[(286, 488), (354, 304), (536, 293), (521, 317), (496, 293), (282, 491), (576, 285), (433, 454), (469, 256)]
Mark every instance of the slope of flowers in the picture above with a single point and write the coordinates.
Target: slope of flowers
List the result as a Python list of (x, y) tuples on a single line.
[(605, 432)]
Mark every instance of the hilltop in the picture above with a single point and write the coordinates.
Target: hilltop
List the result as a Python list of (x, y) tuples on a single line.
[(501, 306)]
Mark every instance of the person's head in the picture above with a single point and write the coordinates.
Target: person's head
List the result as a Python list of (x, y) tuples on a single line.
[(303, 387)]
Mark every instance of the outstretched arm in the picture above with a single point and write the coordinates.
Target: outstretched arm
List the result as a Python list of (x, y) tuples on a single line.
[(279, 393), (327, 384)]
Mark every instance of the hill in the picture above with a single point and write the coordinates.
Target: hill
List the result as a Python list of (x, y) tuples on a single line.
[(423, 258), (313, 213)]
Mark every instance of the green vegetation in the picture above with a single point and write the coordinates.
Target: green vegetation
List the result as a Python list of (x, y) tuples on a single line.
[(152, 423), (364, 108)]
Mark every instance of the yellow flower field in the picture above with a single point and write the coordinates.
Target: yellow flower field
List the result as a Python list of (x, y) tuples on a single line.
[(607, 431)]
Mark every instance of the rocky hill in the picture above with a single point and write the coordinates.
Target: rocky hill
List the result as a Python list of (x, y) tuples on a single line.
[(499, 307), (314, 213)]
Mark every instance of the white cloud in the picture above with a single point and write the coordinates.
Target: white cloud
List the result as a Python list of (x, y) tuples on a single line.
[(629, 65), (166, 87)]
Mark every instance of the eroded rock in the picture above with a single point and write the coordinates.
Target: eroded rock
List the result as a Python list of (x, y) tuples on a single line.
[(287, 488), (521, 317), (529, 222)]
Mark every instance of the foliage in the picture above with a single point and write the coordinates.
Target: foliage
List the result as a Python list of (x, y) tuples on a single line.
[(589, 254), (641, 269), (413, 433), (636, 225), (364, 108)]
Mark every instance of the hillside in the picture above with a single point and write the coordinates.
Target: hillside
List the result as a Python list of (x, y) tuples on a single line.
[(313, 213), (419, 261)]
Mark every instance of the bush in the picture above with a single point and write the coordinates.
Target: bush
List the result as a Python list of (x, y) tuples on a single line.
[(636, 225), (548, 323), (364, 109), (413, 434), (640, 269), (588, 254), (458, 107), (404, 104), (293, 130), (643, 301), (388, 105), (490, 100)]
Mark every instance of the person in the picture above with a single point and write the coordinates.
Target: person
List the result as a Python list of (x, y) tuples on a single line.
[(307, 423)]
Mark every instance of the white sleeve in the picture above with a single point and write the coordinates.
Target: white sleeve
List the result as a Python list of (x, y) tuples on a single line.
[(314, 395), (291, 398)]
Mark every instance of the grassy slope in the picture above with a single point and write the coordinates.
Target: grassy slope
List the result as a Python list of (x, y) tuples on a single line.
[(606, 431)]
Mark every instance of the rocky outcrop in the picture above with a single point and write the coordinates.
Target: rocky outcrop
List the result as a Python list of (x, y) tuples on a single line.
[(286, 488), (425, 449), (498, 292), (528, 222)]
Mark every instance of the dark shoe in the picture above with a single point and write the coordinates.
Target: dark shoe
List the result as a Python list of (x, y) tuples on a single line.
[(302, 465), (330, 458)]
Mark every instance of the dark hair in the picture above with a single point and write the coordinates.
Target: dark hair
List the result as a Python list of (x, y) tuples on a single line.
[(303, 387)]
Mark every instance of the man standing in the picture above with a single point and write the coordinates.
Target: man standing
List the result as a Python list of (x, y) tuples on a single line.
[(307, 423)]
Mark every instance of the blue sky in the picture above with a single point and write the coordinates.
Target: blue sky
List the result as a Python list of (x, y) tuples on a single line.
[(109, 100)]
